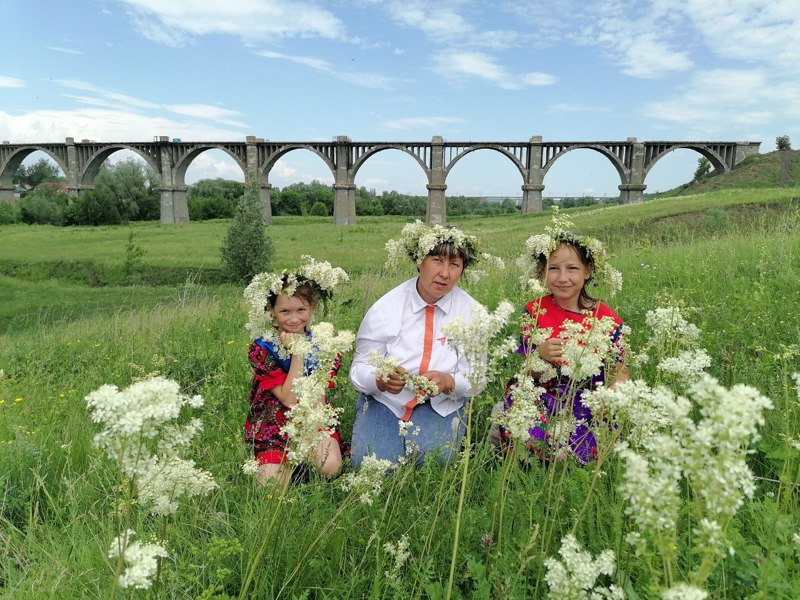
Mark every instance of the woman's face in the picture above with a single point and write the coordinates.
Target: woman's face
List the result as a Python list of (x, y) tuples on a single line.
[(292, 314), (565, 276)]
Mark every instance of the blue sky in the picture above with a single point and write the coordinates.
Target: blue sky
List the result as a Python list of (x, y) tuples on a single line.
[(406, 70)]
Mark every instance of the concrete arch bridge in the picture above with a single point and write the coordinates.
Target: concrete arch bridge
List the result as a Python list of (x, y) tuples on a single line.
[(171, 158)]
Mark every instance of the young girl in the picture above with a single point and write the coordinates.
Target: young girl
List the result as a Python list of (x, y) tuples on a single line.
[(291, 298), (567, 263)]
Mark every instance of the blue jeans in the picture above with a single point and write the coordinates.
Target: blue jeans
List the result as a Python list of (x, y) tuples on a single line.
[(376, 431)]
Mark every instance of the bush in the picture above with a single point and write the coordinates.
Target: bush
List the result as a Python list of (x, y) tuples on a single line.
[(783, 143), (247, 249), (202, 208), (8, 213), (319, 210), (92, 208), (36, 208)]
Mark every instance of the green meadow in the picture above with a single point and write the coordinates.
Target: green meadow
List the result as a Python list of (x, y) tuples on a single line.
[(73, 317)]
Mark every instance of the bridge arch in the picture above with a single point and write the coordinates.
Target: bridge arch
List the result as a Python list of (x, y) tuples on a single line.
[(359, 162), (457, 157), (279, 153), (615, 160), (96, 160), (717, 161), (186, 160), (16, 159)]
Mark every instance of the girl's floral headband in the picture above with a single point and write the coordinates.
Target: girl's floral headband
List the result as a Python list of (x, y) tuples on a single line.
[(538, 248), (418, 239), (320, 276)]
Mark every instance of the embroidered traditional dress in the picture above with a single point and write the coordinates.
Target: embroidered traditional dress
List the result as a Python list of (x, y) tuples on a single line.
[(267, 414)]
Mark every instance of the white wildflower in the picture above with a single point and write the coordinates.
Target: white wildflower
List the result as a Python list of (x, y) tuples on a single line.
[(796, 377), (523, 413), (589, 346), (687, 366), (141, 560), (367, 482), (404, 427), (574, 577), (386, 365), (399, 553), (471, 340), (166, 481), (684, 591), (250, 466)]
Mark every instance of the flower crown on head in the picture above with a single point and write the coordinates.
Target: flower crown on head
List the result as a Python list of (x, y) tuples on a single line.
[(418, 239), (319, 276), (539, 247)]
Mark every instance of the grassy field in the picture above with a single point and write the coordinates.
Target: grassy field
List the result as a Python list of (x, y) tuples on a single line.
[(730, 259)]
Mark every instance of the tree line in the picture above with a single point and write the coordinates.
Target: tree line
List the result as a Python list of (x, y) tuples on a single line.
[(128, 191)]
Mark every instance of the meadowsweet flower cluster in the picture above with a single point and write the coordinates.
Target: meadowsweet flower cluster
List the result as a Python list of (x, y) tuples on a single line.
[(141, 560), (386, 365), (140, 434), (574, 577), (684, 591), (417, 239), (399, 553), (589, 346), (522, 409), (709, 454), (312, 420), (539, 247), (320, 275), (473, 340), (367, 482)]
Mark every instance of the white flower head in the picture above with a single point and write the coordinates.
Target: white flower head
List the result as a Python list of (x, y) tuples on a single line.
[(141, 560), (417, 240), (367, 482), (575, 575)]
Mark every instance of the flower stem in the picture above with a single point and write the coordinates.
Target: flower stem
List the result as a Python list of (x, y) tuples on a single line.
[(462, 493)]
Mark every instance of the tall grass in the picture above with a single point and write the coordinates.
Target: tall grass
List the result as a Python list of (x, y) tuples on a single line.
[(735, 276)]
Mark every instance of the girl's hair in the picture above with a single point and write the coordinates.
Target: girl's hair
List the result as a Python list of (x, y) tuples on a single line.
[(306, 292), (585, 301)]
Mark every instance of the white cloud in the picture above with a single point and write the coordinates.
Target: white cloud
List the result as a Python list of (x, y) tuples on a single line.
[(10, 82), (755, 31), (115, 98), (430, 123), (647, 57), (205, 111), (104, 125), (64, 50), (359, 78), (459, 65), (718, 101), (175, 23)]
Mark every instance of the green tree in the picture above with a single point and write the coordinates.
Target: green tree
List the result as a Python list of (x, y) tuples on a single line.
[(703, 168), (782, 142), (132, 188), (42, 170), (319, 210), (247, 249)]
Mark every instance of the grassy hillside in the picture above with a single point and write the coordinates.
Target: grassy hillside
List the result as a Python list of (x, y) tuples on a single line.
[(770, 170)]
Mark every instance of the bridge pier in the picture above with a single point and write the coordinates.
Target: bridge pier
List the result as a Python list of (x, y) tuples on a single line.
[(344, 203), (531, 198), (7, 193), (630, 193), (174, 206), (436, 213), (264, 192)]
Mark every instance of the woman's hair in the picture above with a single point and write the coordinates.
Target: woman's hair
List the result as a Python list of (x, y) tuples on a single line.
[(585, 301), (306, 292), (449, 250)]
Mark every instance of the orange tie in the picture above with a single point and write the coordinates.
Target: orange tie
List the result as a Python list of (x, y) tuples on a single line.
[(426, 356)]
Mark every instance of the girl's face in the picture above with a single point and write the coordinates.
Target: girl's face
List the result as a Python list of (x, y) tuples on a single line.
[(565, 276), (292, 314)]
